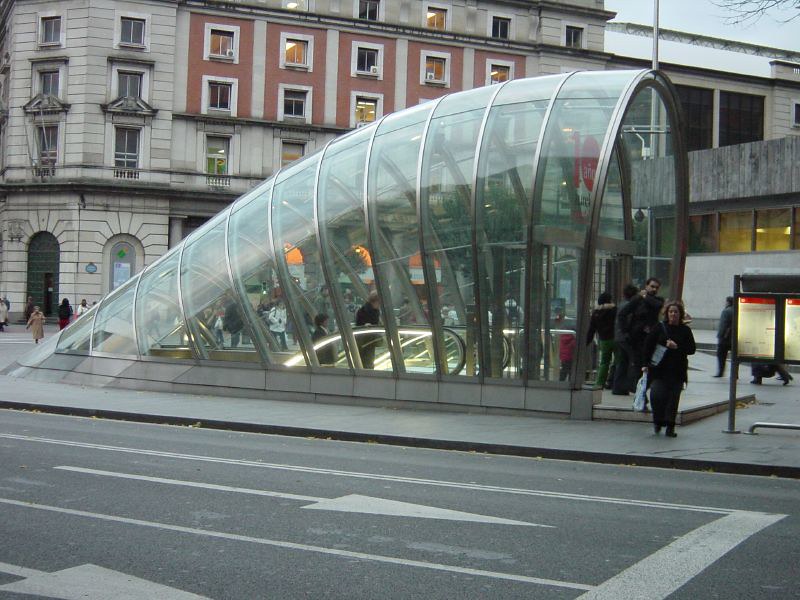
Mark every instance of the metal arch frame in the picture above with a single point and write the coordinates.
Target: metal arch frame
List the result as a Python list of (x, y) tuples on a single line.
[(255, 333), (477, 283), (428, 269), (282, 271), (393, 338), (528, 288), (326, 274)]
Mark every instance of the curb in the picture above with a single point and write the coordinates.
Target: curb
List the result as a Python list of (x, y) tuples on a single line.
[(637, 460)]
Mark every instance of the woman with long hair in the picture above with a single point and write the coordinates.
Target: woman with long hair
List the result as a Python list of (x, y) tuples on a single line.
[(666, 350)]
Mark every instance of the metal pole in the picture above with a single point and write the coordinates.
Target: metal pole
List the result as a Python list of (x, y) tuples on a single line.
[(655, 35), (734, 371)]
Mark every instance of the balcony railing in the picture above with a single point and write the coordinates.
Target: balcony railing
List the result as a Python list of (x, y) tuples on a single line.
[(218, 181), (44, 171), (120, 173)]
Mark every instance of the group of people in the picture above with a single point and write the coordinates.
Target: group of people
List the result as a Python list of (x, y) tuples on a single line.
[(35, 318), (644, 335)]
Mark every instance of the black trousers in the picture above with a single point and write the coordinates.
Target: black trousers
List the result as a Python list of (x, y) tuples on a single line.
[(664, 397), (723, 347), (624, 377)]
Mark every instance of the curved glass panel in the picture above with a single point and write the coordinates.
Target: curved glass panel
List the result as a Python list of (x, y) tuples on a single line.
[(159, 318), (256, 193), (256, 277), (446, 202), (646, 140), (503, 199), (345, 247), (299, 264), (113, 327), (565, 177), (75, 338), (528, 90), (212, 310), (391, 190)]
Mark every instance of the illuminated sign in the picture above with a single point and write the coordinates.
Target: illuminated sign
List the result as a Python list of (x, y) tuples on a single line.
[(791, 332), (756, 328)]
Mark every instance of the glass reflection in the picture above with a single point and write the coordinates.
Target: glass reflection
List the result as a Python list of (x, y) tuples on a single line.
[(159, 318), (113, 327)]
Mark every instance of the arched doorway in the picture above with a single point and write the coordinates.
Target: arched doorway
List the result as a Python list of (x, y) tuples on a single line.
[(43, 262)]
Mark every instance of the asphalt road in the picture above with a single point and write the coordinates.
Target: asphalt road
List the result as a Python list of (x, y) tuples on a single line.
[(99, 509)]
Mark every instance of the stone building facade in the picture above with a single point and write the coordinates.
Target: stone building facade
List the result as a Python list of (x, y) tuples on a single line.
[(125, 124)]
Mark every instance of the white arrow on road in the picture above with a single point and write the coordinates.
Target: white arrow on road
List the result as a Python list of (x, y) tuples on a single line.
[(350, 503), (88, 582)]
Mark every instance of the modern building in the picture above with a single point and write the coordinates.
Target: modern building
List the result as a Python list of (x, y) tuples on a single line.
[(126, 124), (478, 227)]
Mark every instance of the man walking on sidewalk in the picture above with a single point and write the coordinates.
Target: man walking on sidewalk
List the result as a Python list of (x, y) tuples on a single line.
[(724, 335)]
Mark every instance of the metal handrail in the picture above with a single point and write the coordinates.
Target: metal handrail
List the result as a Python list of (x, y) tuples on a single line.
[(765, 425)]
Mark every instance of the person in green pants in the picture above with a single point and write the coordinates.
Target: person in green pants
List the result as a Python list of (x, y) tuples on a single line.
[(602, 324)]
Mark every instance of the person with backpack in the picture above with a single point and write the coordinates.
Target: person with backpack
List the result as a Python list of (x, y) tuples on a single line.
[(64, 313)]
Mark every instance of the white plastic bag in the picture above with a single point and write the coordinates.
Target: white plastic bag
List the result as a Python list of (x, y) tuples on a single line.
[(640, 399)]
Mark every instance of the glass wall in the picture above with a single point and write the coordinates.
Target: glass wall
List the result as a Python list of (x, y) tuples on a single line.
[(113, 326), (160, 326)]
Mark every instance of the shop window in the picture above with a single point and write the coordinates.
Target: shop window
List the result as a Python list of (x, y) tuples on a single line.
[(703, 233), (741, 118), (132, 31), (217, 154), (698, 107), (291, 151), (773, 229), (501, 28), (50, 31), (736, 231)]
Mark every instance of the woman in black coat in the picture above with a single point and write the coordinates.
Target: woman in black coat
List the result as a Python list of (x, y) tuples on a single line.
[(666, 380)]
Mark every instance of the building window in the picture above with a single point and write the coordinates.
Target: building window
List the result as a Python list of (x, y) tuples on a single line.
[(499, 73), (796, 229), (50, 31), (221, 44), (736, 231), (132, 31), (291, 151), (126, 148), (573, 36), (367, 61), (698, 106), (501, 28), (741, 118), (294, 103), (295, 4), (47, 139), (296, 53), (129, 84), (435, 69), (217, 152), (436, 18), (368, 9), (773, 229), (796, 114), (219, 95), (366, 110), (48, 83), (703, 233)]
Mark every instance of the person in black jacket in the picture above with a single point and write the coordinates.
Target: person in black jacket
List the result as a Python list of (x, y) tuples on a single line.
[(325, 354), (624, 378), (640, 317), (602, 323), (667, 378), (368, 314), (724, 336)]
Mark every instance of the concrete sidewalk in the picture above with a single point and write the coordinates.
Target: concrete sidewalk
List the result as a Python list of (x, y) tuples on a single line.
[(701, 445)]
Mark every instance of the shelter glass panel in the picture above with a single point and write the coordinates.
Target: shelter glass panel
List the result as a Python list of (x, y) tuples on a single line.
[(392, 182), (255, 275), (212, 309), (345, 247), (504, 189), (446, 209), (113, 327), (159, 318), (299, 263)]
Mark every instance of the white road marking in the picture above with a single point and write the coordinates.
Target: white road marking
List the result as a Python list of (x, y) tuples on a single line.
[(379, 477), (19, 571), (664, 571), (90, 582), (301, 547), (350, 503)]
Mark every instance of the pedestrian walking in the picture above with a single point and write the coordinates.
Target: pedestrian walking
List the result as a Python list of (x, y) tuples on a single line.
[(28, 308), (624, 378), (639, 318), (602, 323), (3, 314), (325, 354), (82, 309), (724, 331), (64, 313), (36, 324), (277, 324), (759, 371), (368, 314), (667, 376)]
